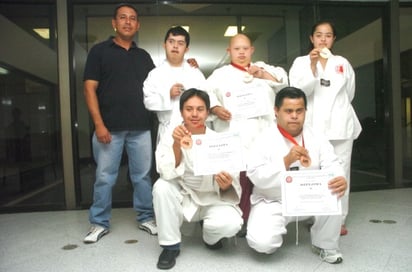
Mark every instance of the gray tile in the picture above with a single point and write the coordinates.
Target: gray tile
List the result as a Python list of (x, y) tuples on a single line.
[(34, 242)]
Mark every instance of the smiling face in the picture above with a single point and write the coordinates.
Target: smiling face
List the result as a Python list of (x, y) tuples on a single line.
[(126, 23), (176, 48), (240, 50), (194, 113), (291, 115), (323, 36)]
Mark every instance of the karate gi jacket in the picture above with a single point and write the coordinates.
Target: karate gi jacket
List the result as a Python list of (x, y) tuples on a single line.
[(266, 167), (156, 90), (228, 80), (207, 191), (330, 94)]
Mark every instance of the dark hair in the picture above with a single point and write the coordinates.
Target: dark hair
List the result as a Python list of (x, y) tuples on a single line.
[(316, 26), (123, 5), (194, 92), (289, 92), (177, 31)]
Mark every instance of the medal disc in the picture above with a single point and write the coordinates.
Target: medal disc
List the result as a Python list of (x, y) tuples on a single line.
[(305, 161), (186, 142), (247, 78), (325, 53)]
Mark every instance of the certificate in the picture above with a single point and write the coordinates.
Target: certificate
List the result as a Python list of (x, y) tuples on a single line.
[(306, 193), (213, 153), (245, 104)]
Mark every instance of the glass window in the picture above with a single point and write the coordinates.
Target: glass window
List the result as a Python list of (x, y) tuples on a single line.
[(30, 148), (406, 85), (359, 39)]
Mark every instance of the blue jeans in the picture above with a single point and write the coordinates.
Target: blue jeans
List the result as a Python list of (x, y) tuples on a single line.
[(108, 157)]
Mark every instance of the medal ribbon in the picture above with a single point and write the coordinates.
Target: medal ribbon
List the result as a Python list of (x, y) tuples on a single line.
[(289, 137), (240, 67)]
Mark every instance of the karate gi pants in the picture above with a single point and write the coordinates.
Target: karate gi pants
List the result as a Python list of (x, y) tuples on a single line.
[(266, 226), (343, 149), (219, 220)]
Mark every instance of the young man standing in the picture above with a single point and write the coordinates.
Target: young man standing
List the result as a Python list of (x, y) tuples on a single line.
[(165, 83)]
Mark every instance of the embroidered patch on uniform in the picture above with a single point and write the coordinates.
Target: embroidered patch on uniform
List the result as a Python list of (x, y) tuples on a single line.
[(324, 82), (339, 69)]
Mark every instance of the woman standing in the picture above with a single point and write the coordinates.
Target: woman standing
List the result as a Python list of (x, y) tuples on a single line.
[(328, 81)]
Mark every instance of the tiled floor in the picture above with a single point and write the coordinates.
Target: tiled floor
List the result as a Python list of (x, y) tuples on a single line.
[(36, 242)]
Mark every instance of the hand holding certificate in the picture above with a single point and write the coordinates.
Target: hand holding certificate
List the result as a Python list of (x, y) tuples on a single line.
[(306, 193), (217, 152)]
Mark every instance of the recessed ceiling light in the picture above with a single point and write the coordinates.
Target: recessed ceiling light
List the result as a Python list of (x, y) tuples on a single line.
[(184, 27), (232, 31), (42, 32), (3, 71)]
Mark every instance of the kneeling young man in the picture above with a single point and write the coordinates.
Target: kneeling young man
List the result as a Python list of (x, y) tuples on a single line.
[(289, 145), (180, 195)]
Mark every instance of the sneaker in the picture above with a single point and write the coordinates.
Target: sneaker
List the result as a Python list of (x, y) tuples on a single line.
[(95, 233), (243, 231), (149, 226), (217, 245), (167, 259), (331, 256)]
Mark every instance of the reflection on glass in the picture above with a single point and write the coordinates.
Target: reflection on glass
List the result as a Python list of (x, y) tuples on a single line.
[(406, 85), (29, 138), (30, 149)]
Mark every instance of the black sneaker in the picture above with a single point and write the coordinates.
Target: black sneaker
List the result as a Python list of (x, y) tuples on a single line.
[(242, 232), (215, 246), (167, 259)]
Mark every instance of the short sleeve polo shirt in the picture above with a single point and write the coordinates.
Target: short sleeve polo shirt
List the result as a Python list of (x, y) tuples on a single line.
[(120, 74)]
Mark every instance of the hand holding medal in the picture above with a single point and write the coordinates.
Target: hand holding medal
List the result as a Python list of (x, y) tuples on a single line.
[(182, 136), (186, 142), (305, 161), (325, 53), (301, 153)]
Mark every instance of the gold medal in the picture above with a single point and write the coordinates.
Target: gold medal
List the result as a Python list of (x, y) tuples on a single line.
[(186, 142)]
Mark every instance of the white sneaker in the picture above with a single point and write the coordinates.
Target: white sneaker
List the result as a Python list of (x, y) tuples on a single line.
[(331, 256), (149, 226), (95, 233)]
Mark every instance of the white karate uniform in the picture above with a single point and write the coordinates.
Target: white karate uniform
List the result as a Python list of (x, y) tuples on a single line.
[(179, 195), (156, 91), (330, 111), (228, 80), (266, 166)]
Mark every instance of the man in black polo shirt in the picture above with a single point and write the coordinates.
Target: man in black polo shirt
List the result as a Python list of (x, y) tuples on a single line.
[(113, 81)]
